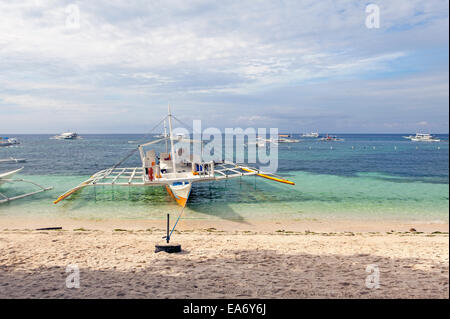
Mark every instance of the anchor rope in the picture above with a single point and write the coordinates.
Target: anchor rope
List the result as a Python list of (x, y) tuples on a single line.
[(179, 216)]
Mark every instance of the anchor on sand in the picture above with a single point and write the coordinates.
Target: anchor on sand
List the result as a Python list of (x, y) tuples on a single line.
[(167, 246)]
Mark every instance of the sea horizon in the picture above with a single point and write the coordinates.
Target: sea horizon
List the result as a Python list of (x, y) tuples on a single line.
[(155, 133)]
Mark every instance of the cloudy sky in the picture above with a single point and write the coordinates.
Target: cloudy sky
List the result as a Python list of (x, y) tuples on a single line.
[(299, 65)]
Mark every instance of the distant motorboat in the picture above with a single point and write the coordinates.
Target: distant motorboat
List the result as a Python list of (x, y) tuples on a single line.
[(13, 140), (276, 141), (422, 137), (164, 134), (8, 141), (331, 138), (287, 140), (311, 135), (259, 142), (66, 136)]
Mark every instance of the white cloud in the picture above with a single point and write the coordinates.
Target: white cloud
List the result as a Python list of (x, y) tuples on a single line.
[(143, 53)]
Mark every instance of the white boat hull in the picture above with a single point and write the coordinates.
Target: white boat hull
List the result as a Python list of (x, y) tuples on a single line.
[(422, 137), (180, 193), (12, 160), (424, 140)]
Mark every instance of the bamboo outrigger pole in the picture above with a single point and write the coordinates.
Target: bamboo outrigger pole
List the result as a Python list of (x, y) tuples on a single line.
[(273, 178)]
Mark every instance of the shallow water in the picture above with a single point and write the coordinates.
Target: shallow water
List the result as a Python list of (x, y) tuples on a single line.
[(363, 177)]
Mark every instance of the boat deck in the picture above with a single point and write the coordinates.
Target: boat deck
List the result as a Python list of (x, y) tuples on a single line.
[(135, 176)]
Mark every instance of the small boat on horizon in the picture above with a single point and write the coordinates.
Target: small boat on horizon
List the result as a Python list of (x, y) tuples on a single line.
[(8, 141), (259, 142), (66, 136), (285, 138), (331, 138), (422, 137), (311, 135)]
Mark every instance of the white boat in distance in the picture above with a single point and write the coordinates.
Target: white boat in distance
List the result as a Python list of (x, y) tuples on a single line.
[(259, 142), (422, 137), (66, 136), (285, 138), (311, 135), (171, 170), (8, 141)]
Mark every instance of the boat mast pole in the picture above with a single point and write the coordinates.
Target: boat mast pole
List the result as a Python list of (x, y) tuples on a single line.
[(165, 135), (171, 141)]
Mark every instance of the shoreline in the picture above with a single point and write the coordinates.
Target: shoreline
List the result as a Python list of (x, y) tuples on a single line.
[(256, 226)]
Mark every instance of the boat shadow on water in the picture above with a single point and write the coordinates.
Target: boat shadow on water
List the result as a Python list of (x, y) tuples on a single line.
[(157, 199), (224, 211)]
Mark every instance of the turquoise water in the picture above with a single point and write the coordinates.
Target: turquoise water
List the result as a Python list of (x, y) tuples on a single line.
[(365, 177)]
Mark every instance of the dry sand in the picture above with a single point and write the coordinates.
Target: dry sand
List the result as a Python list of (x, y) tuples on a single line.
[(277, 259)]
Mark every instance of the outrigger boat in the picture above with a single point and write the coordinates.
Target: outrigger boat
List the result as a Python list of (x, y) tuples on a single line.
[(12, 160), (170, 170), (7, 177)]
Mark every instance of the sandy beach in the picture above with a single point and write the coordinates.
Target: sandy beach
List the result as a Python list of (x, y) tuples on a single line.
[(271, 259)]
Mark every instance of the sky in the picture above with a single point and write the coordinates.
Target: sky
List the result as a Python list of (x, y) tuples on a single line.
[(113, 66)]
